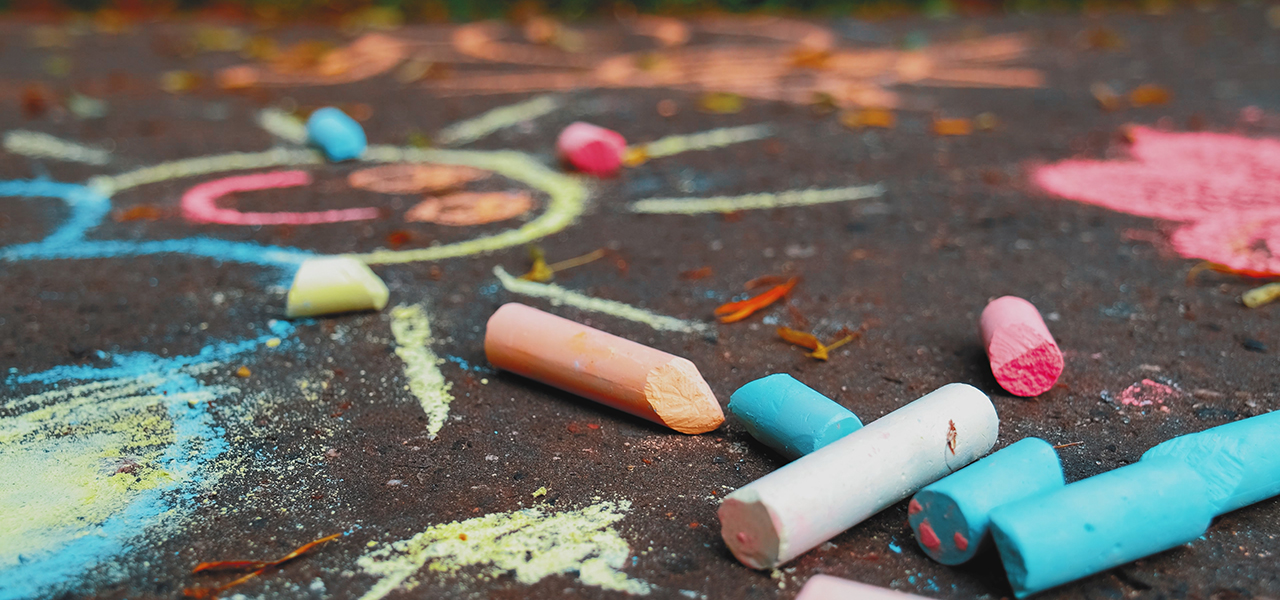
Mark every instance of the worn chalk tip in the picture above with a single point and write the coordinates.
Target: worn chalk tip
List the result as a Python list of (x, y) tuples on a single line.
[(941, 528), (1032, 372), (750, 530), (325, 286), (592, 149), (681, 398), (1025, 359), (337, 135)]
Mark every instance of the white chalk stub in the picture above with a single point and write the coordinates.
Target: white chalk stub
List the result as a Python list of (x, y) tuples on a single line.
[(326, 286), (789, 511)]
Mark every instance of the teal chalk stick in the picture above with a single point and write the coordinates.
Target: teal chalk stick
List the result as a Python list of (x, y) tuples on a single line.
[(950, 517), (1100, 522), (1239, 460), (338, 136), (789, 416)]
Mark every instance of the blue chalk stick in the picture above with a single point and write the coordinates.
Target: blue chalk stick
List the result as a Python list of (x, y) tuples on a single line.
[(1100, 522), (340, 137), (789, 416), (1239, 460), (954, 511)]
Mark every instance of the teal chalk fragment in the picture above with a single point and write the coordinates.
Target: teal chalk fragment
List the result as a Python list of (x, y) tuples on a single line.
[(950, 517), (340, 137), (1238, 460), (789, 416), (1101, 522)]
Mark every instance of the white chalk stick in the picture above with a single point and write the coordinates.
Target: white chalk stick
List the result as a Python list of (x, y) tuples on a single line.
[(785, 513), (826, 587)]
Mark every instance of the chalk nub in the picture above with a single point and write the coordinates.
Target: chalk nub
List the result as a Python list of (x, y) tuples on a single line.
[(1101, 522), (1024, 358), (338, 136), (789, 511), (591, 149), (826, 587), (333, 285), (951, 516), (789, 416), (617, 372)]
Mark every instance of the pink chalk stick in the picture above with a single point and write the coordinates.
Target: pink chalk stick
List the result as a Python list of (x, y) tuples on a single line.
[(591, 149), (826, 587), (1024, 358), (200, 203)]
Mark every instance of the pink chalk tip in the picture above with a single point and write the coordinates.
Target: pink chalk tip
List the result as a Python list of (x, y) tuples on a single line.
[(1024, 358), (591, 149), (826, 587)]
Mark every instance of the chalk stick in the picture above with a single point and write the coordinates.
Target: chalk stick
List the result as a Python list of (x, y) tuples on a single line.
[(333, 285), (789, 416), (1024, 358), (338, 136), (1100, 522), (1238, 460), (826, 587), (613, 371), (592, 149), (950, 517), (789, 511)]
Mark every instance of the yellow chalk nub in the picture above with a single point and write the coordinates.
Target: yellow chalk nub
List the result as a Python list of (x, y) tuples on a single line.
[(325, 286)]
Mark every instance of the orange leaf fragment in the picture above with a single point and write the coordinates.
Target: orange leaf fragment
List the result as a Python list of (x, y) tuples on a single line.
[(733, 312), (1149, 95), (259, 567), (799, 338), (696, 274), (1107, 98), (141, 212), (868, 117), (952, 127)]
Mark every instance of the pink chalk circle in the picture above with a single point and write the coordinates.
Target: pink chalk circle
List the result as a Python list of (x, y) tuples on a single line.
[(591, 149), (1024, 358), (200, 203)]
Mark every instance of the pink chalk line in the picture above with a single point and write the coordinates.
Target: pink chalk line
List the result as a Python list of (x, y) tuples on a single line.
[(1224, 189), (199, 204)]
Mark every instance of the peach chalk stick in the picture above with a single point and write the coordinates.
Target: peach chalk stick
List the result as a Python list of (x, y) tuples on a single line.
[(811, 500), (1024, 358), (826, 587), (613, 371), (592, 149)]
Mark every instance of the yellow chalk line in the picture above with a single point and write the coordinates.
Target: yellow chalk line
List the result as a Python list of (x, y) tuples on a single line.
[(560, 296), (283, 125), (726, 204), (532, 544), (43, 145), (567, 201), (470, 130), (716, 138), (412, 330)]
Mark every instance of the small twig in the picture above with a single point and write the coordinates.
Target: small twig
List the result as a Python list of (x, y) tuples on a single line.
[(1061, 446)]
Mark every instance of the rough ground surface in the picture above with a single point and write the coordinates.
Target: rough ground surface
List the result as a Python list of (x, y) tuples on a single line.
[(959, 224)]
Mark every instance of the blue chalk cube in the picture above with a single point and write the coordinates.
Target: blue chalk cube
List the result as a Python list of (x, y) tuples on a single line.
[(1100, 522), (340, 137), (789, 416), (950, 517), (1239, 460)]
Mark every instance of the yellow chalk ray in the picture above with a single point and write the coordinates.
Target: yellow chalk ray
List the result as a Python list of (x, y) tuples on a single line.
[(412, 330)]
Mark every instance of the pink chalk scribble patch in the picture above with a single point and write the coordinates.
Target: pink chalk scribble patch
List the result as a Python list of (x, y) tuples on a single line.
[(1225, 189), (1147, 393), (200, 203)]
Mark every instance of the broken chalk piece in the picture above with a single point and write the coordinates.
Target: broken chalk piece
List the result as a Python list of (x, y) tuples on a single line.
[(785, 513), (617, 372), (1261, 296), (1101, 522), (591, 149), (950, 517), (1024, 358), (789, 416), (826, 587), (340, 137), (1238, 460), (325, 286)]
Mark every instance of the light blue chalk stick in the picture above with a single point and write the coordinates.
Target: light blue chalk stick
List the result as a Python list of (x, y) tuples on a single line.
[(950, 517), (1100, 522), (789, 416), (1239, 460), (340, 137)]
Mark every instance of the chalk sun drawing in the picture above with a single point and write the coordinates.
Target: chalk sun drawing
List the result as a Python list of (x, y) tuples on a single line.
[(90, 467), (529, 544)]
